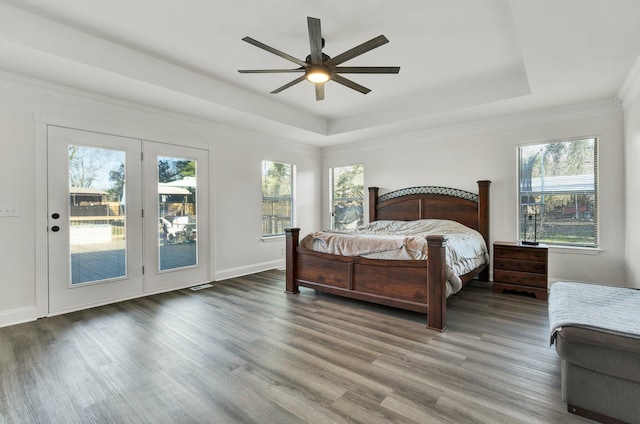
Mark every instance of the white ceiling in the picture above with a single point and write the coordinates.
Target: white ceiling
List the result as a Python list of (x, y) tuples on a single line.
[(460, 60)]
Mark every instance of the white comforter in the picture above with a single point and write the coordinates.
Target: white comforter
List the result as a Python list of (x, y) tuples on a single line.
[(466, 248)]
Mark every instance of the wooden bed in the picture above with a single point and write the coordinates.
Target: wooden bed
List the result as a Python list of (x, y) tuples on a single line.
[(407, 284)]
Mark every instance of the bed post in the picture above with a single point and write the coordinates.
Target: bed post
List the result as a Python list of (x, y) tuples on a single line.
[(373, 203), (436, 283), (291, 242), (483, 219)]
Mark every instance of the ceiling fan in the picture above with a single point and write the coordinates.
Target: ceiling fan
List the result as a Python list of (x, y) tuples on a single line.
[(319, 68)]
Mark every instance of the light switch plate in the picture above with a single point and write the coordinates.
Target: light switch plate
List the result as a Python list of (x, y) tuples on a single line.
[(9, 209)]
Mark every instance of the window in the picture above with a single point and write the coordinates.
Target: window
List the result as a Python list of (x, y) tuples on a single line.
[(277, 197), (558, 192), (347, 196)]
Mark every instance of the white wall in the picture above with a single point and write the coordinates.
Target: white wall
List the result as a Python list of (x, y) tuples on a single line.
[(235, 189), (632, 189), (238, 220), (461, 156), (456, 157)]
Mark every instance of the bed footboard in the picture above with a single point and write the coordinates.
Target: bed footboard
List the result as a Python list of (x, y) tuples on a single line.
[(418, 286)]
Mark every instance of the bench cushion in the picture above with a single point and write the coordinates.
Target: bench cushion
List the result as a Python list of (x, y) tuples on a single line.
[(607, 309)]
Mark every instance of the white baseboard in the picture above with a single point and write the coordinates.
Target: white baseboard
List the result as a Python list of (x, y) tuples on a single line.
[(18, 316), (552, 281), (123, 299), (225, 274)]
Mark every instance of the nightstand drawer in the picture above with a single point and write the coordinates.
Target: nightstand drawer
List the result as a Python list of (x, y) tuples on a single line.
[(527, 254), (522, 266), (522, 278)]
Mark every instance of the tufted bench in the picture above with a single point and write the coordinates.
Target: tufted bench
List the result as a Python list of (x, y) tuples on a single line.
[(596, 330)]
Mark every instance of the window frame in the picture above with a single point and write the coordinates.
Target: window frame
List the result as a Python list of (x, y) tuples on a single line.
[(573, 246), (292, 198), (332, 194)]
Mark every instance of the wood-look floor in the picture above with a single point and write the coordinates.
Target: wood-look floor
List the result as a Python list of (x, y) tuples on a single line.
[(244, 352)]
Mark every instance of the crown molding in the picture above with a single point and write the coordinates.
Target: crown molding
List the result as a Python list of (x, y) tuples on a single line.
[(484, 126), (37, 89), (98, 103), (631, 85)]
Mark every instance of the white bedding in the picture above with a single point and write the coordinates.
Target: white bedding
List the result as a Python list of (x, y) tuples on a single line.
[(402, 240)]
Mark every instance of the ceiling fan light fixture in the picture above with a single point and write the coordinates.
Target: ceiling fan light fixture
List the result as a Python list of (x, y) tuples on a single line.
[(317, 74), (318, 67)]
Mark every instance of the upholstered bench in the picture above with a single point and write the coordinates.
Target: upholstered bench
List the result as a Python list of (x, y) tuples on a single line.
[(596, 330)]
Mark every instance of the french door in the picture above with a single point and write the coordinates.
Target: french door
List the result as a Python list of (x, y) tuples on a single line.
[(119, 226)]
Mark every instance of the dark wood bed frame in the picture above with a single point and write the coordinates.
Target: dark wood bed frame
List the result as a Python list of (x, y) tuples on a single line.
[(407, 284)]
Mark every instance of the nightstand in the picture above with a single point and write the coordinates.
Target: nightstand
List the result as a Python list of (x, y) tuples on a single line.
[(520, 267)]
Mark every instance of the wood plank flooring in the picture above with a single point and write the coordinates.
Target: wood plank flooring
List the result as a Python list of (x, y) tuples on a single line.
[(244, 352)]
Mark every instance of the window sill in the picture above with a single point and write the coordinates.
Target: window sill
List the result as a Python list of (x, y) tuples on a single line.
[(270, 239), (592, 251)]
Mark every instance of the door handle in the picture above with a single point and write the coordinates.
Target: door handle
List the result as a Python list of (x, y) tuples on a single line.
[(55, 228)]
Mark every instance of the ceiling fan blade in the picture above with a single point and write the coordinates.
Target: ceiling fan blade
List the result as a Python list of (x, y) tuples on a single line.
[(274, 51), (367, 69), (315, 40), (268, 71), (319, 91), (358, 50), (348, 83), (292, 83)]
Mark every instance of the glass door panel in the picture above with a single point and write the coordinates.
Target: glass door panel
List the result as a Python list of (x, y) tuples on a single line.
[(97, 241), (176, 205), (178, 223)]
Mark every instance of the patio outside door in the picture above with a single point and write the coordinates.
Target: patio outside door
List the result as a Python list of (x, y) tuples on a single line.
[(176, 216), (120, 227), (95, 222)]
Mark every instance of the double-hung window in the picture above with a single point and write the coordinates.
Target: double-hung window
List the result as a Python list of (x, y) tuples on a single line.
[(277, 197), (347, 196), (558, 192)]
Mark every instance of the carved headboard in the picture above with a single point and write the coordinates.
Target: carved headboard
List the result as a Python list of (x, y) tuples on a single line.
[(430, 202)]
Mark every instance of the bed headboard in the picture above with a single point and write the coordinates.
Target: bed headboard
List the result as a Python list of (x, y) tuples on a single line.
[(429, 202)]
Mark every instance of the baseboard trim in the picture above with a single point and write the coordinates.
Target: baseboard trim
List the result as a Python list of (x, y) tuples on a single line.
[(225, 274), (27, 314), (18, 316), (124, 299)]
